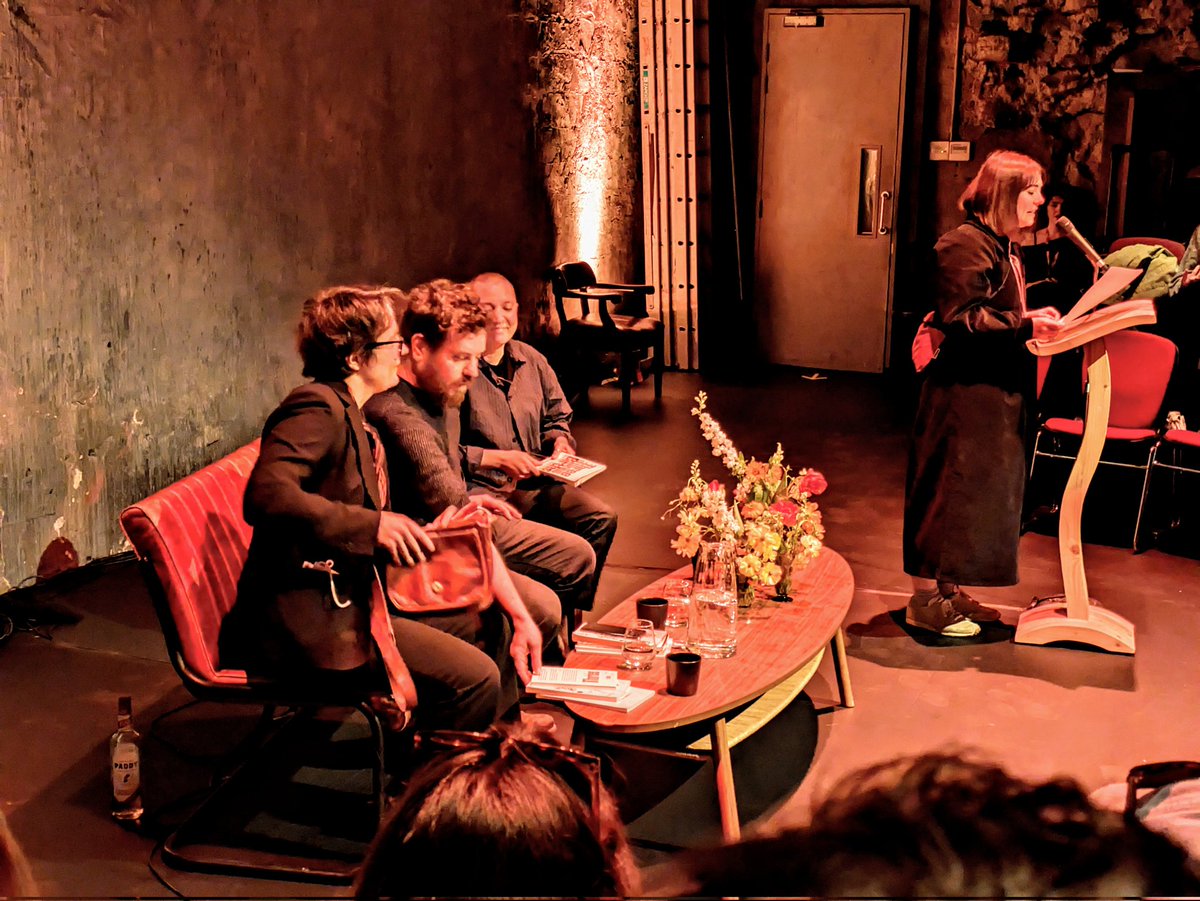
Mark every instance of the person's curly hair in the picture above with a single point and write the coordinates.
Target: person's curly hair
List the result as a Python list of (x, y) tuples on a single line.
[(943, 826), (435, 309), (339, 322)]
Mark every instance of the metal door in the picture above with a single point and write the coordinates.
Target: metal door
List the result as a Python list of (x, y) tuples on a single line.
[(831, 131)]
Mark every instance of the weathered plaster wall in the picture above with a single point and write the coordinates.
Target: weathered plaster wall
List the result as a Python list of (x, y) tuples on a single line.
[(176, 177), (585, 105)]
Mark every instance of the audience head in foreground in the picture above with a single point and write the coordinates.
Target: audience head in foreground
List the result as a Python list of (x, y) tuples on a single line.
[(500, 813), (939, 826)]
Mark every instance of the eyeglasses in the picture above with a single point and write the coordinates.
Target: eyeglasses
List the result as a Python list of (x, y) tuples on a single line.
[(580, 771), (1149, 776), (371, 345)]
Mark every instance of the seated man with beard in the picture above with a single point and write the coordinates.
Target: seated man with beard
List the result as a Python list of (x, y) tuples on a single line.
[(443, 330)]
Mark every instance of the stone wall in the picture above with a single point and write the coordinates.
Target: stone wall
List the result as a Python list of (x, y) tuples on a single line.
[(176, 177), (1034, 72)]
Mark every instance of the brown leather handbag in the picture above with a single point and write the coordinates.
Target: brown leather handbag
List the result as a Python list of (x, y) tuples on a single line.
[(457, 576)]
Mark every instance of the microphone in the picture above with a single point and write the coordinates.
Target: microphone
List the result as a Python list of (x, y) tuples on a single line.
[(1067, 227)]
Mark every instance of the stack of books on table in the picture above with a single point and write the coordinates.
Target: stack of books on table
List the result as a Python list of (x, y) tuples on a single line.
[(601, 638), (601, 688)]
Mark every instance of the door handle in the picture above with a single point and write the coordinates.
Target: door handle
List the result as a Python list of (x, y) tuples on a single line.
[(885, 199)]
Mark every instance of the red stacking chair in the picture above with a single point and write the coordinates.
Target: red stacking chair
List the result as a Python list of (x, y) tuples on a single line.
[(1177, 451), (191, 542), (1173, 247), (1141, 368)]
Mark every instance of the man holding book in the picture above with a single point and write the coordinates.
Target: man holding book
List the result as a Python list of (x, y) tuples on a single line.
[(515, 415)]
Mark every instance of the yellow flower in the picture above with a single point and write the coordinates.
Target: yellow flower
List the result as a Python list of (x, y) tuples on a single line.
[(749, 565), (753, 510), (771, 574)]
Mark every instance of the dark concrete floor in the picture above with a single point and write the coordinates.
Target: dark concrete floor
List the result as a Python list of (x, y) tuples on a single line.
[(1041, 711)]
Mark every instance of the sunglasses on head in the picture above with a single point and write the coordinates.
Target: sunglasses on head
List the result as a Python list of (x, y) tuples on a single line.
[(580, 771)]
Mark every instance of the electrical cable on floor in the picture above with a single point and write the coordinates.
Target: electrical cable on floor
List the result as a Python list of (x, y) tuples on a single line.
[(156, 851)]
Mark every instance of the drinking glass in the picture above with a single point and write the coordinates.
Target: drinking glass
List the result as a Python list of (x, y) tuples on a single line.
[(679, 595), (713, 629), (638, 646)]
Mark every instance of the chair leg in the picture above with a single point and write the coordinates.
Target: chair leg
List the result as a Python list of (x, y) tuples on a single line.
[(659, 365), (1137, 524), (1033, 460), (628, 376), (378, 746)]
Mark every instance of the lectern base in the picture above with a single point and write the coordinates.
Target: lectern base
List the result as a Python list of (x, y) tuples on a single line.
[(1101, 628)]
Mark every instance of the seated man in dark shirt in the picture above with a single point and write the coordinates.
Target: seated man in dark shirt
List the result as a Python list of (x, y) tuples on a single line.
[(515, 411), (442, 328)]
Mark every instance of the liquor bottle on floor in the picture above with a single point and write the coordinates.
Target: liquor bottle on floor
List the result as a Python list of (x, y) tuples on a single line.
[(125, 754)]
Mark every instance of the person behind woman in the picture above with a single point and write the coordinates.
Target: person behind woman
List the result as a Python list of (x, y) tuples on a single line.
[(304, 597), (1057, 272), (966, 472), (502, 813)]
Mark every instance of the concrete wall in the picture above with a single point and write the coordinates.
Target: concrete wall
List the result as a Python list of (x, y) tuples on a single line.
[(176, 176)]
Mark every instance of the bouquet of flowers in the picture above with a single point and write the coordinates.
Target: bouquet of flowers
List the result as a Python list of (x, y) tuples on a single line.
[(771, 521)]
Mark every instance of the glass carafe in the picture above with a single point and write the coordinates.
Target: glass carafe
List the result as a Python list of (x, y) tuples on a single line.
[(713, 628)]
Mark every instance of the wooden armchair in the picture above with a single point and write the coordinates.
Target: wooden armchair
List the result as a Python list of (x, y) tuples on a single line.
[(625, 329)]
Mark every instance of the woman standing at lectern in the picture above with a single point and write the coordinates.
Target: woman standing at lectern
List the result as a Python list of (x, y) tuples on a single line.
[(966, 471)]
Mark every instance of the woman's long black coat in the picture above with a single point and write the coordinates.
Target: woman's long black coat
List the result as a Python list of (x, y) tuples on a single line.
[(966, 472)]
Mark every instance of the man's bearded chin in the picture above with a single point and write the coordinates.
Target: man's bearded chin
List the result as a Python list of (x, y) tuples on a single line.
[(455, 396)]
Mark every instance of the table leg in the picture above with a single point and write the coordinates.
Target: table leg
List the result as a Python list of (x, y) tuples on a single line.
[(731, 828), (842, 668)]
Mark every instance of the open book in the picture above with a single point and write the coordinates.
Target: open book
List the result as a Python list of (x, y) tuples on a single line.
[(1086, 323), (570, 469)]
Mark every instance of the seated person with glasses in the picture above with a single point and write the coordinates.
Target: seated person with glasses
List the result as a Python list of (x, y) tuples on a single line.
[(310, 605), (501, 813), (514, 414)]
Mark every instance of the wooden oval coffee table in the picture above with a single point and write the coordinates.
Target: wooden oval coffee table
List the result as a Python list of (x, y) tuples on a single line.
[(776, 656)]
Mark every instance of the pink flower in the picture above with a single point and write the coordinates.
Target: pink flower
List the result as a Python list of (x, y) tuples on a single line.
[(787, 511), (716, 487), (813, 483)]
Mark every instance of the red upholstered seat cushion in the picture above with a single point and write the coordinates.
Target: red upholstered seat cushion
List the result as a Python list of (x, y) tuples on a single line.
[(194, 536), (1075, 427), (1182, 437)]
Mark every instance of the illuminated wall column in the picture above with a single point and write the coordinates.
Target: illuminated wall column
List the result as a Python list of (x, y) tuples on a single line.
[(586, 109)]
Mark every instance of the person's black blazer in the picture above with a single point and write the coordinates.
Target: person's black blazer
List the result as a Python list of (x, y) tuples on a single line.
[(312, 497)]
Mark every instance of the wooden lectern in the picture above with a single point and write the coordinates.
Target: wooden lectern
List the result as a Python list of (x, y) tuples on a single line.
[(1078, 618)]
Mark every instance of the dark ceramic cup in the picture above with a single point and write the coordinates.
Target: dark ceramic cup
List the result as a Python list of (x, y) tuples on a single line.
[(683, 673), (653, 609)]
